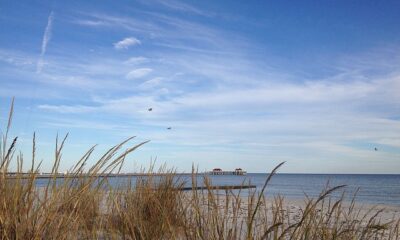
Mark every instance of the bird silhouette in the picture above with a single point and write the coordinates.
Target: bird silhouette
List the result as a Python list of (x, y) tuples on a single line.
[(376, 149), (169, 128), (150, 109)]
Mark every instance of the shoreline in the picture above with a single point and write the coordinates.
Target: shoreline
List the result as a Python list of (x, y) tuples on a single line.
[(388, 212)]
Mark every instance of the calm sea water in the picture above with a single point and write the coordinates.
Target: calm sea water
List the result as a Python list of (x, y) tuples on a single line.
[(373, 189)]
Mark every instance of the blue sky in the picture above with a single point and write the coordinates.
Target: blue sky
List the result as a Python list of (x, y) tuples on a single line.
[(241, 83)]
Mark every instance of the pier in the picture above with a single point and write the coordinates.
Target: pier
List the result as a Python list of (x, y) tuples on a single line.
[(218, 171), (223, 187)]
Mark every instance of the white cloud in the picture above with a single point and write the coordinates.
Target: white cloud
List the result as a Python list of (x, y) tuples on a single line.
[(90, 23), (69, 123), (126, 43), (138, 73), (45, 41), (170, 31), (103, 20), (151, 83), (67, 109), (16, 58), (136, 60), (303, 100), (183, 7)]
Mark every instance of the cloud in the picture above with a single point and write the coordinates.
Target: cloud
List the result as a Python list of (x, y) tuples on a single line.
[(313, 98), (92, 23), (182, 7), (170, 31), (149, 84), (136, 60), (67, 109), (16, 58), (45, 41), (126, 43), (138, 73), (314, 93), (69, 123), (112, 21)]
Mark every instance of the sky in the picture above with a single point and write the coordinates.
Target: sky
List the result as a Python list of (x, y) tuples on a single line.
[(244, 84)]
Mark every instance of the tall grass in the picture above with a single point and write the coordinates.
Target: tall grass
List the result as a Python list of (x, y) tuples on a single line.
[(86, 206)]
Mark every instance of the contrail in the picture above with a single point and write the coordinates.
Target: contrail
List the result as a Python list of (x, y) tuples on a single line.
[(45, 41)]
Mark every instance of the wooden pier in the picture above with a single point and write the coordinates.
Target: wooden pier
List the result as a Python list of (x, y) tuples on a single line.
[(223, 187)]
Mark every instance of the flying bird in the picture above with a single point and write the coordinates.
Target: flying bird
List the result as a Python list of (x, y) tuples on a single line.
[(150, 109), (376, 149), (169, 128)]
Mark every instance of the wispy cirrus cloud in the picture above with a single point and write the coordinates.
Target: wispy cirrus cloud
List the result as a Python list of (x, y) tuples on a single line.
[(170, 31), (45, 42), (138, 73), (92, 23), (183, 7), (150, 84), (98, 20), (67, 109), (16, 58), (126, 43), (309, 96), (136, 60)]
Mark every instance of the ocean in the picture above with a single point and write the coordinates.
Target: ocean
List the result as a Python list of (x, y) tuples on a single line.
[(370, 188)]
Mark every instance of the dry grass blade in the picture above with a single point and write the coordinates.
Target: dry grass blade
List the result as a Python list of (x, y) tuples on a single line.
[(258, 203)]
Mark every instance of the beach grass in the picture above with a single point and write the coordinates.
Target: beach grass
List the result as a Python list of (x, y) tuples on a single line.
[(85, 206)]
